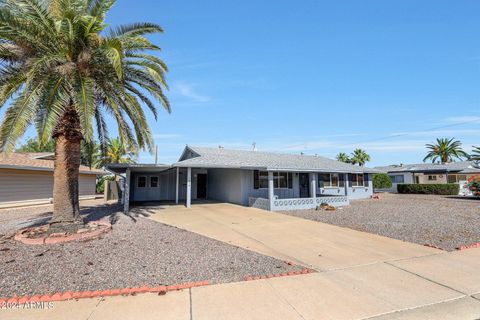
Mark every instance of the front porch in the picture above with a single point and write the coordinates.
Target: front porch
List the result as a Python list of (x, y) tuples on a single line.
[(297, 203), (310, 190)]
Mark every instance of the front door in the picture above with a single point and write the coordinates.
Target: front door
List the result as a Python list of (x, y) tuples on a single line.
[(304, 185), (201, 186)]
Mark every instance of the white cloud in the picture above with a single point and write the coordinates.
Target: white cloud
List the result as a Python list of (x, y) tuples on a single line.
[(437, 133), (186, 90), (463, 119)]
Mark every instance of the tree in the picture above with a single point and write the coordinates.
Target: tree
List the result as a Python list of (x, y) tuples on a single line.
[(381, 181), (115, 153), (359, 157), (64, 71), (475, 156), (446, 150), (33, 145), (90, 152), (343, 157)]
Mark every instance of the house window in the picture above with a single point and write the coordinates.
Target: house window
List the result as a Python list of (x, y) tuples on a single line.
[(281, 180), (153, 182), (397, 179), (432, 178), (263, 179), (358, 180), (328, 180), (456, 178), (141, 182)]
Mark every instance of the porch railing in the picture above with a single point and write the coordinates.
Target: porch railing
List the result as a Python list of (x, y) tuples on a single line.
[(298, 203), (259, 203)]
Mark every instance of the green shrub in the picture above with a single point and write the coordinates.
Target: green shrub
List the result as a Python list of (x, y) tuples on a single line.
[(381, 181), (100, 188), (443, 189)]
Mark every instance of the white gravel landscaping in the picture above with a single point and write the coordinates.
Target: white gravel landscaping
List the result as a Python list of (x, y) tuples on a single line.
[(136, 252), (441, 221)]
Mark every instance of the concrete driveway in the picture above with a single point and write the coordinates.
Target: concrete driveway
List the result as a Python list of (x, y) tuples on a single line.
[(316, 245)]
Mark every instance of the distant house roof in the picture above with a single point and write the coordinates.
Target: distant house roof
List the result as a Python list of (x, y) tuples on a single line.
[(242, 159), (460, 167), (36, 161)]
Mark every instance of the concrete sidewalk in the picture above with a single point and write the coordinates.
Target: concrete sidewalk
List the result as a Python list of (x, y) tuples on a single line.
[(378, 291)]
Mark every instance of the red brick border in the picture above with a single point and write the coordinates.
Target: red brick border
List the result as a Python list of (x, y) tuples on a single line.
[(288, 274), (101, 293), (20, 235), (470, 246)]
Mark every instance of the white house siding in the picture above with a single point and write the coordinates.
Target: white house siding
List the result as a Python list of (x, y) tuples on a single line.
[(35, 185), (167, 184), (236, 186), (225, 185), (248, 189), (407, 178), (355, 193)]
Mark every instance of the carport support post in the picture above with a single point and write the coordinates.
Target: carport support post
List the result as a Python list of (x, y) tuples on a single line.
[(176, 186), (189, 186), (313, 187), (126, 192), (271, 193)]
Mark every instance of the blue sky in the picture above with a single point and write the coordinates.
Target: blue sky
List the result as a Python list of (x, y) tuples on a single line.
[(318, 77)]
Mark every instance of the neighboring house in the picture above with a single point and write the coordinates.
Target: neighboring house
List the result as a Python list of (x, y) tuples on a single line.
[(27, 179), (269, 181), (430, 173)]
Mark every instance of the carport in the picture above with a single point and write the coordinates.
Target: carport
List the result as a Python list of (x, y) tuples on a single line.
[(159, 182)]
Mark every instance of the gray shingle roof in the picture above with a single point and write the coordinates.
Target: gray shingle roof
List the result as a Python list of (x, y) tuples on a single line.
[(225, 158), (461, 166)]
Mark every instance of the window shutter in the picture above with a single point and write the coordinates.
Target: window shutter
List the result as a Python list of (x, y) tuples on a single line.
[(256, 179)]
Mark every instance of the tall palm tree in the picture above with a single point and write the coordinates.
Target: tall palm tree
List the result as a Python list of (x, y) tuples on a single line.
[(445, 150), (64, 73), (343, 157), (475, 154), (359, 157), (89, 152), (115, 153)]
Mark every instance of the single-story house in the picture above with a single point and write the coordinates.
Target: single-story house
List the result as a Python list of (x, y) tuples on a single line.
[(27, 179), (270, 181), (431, 173)]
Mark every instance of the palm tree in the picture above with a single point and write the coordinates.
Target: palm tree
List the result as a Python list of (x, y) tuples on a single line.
[(475, 156), (446, 150), (115, 153), (359, 157), (343, 157), (64, 73), (90, 151)]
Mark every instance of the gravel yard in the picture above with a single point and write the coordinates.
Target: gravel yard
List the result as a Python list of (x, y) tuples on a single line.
[(136, 252), (444, 222)]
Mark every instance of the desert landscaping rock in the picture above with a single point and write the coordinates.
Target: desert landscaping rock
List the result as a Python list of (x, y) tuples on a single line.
[(439, 221), (137, 252)]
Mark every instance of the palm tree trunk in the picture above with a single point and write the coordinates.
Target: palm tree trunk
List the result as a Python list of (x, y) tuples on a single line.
[(66, 209)]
